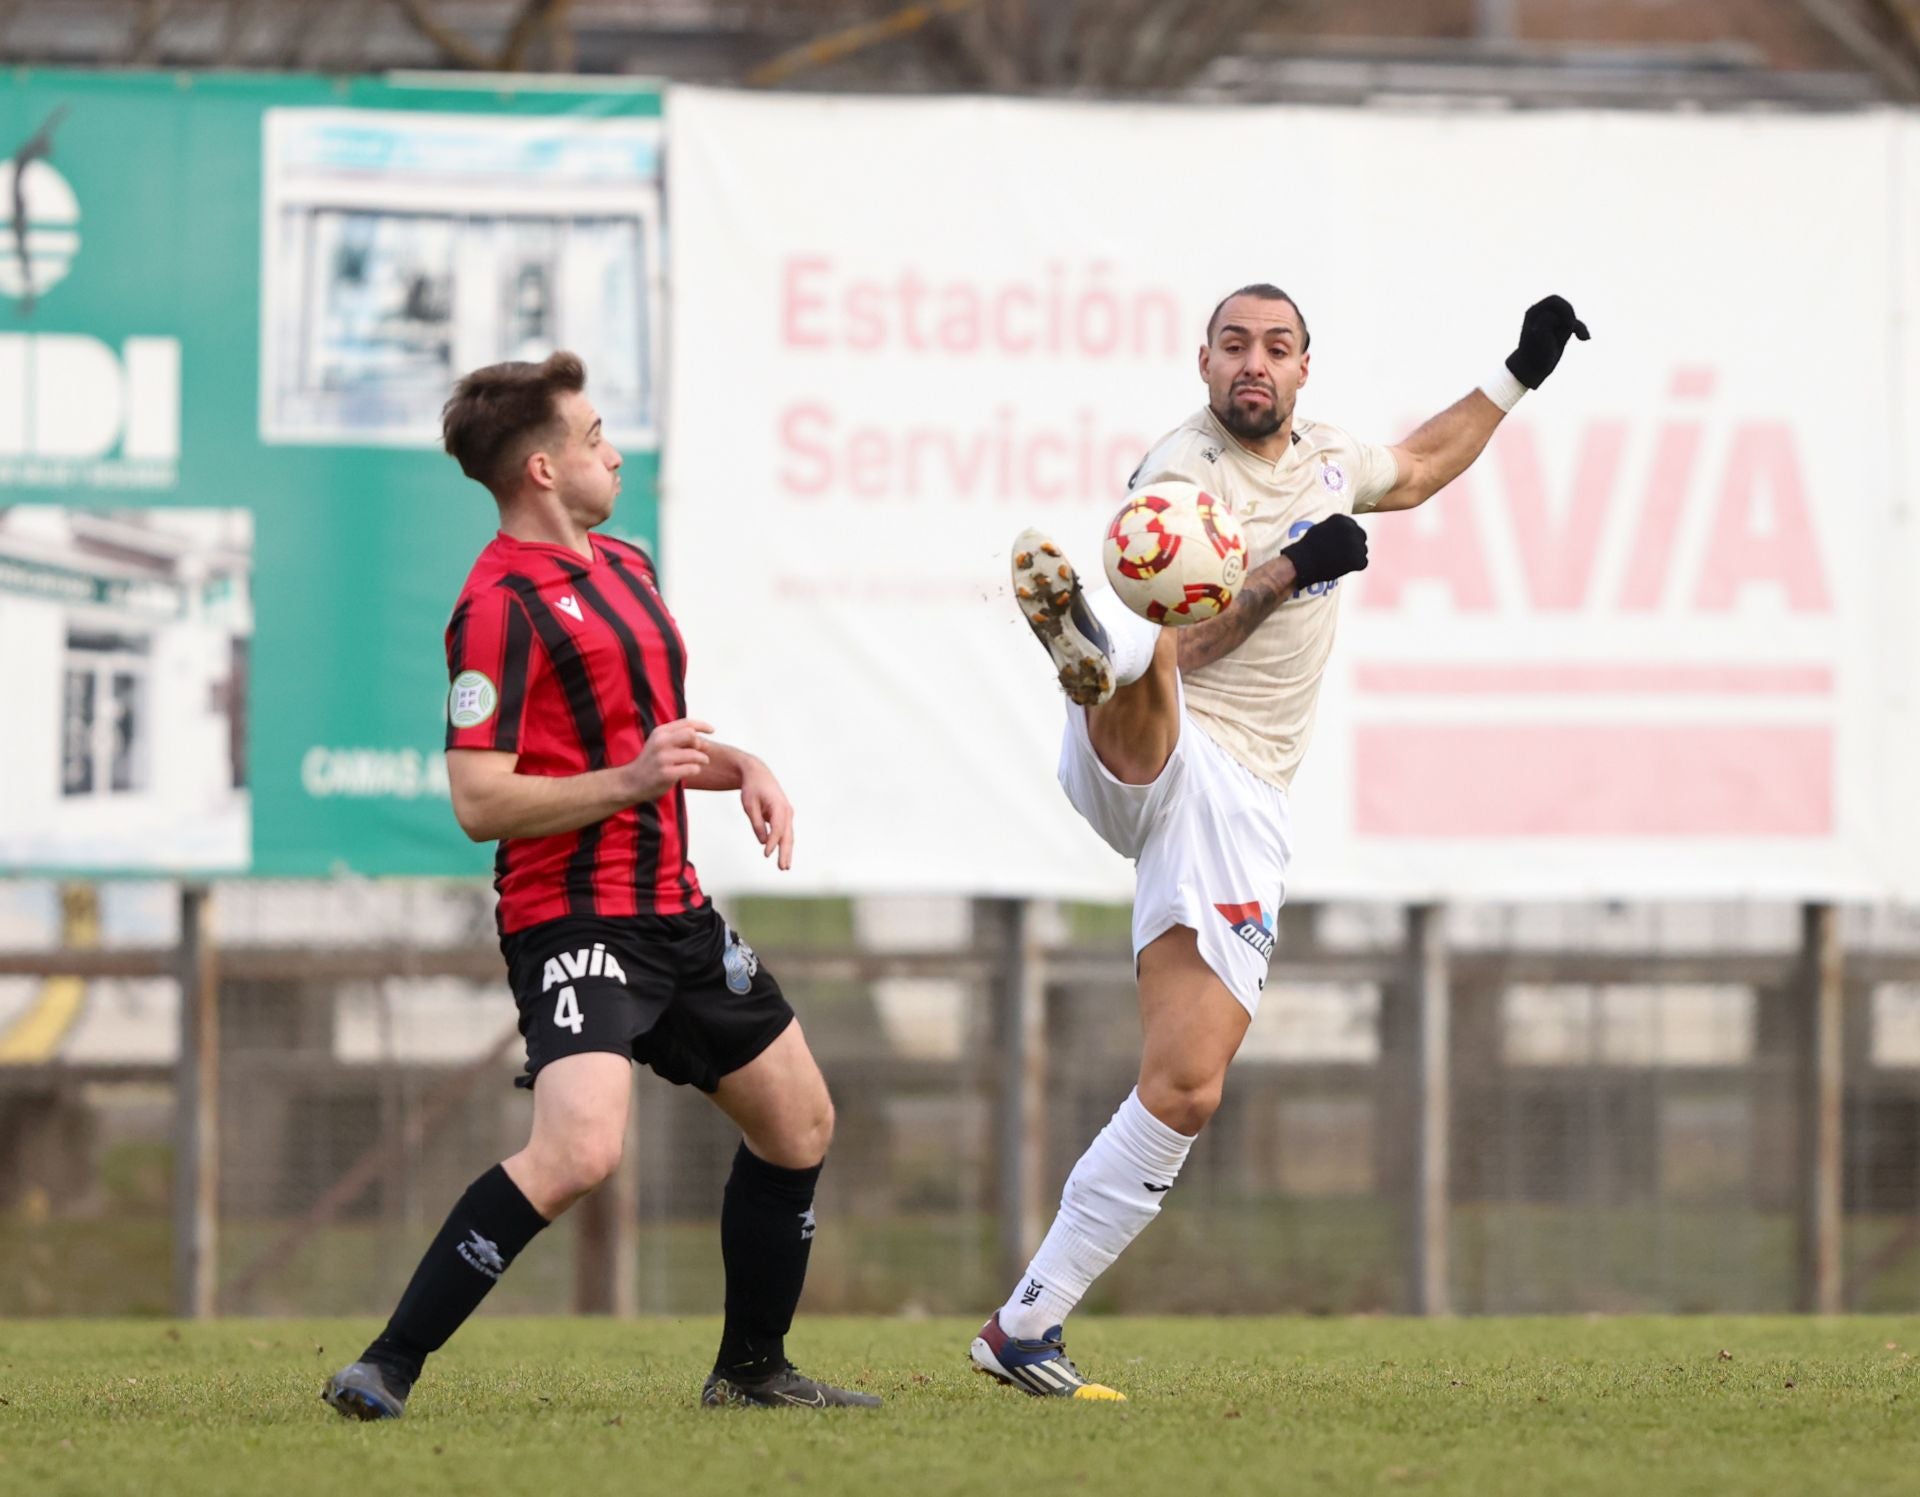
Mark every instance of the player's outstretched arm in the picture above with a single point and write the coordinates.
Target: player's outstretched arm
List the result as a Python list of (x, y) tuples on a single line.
[(1444, 447), (1330, 549), (769, 812), (492, 800)]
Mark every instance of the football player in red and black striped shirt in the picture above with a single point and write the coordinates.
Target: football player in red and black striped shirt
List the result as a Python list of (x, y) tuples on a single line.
[(569, 742)]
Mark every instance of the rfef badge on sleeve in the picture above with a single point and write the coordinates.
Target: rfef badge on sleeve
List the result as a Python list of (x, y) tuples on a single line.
[(472, 700)]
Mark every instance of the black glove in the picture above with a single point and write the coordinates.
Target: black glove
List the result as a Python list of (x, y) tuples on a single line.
[(1543, 338), (1333, 548)]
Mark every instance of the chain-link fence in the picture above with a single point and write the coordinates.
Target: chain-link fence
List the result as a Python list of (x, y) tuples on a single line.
[(1617, 1142)]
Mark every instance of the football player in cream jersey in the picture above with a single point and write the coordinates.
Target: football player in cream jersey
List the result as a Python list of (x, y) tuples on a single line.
[(1180, 743)]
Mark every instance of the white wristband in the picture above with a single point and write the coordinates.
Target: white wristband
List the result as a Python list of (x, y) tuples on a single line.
[(1504, 389)]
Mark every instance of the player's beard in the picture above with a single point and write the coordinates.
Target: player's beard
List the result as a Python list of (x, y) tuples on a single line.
[(1251, 423)]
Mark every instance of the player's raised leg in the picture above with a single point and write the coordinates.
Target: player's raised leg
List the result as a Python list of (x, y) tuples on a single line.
[(579, 1125), (1108, 659), (780, 1102), (1193, 1028)]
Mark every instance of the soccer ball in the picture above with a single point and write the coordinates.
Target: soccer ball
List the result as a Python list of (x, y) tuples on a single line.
[(1174, 554)]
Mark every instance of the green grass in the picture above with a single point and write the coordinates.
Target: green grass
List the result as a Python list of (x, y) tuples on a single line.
[(1269, 1256), (568, 1408)]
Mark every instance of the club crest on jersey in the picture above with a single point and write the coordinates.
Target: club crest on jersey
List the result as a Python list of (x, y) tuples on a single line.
[(1332, 475), (571, 965), (472, 700), (1251, 924), (740, 963)]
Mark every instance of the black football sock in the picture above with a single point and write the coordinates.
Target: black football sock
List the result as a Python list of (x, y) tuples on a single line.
[(766, 1234), (484, 1232)]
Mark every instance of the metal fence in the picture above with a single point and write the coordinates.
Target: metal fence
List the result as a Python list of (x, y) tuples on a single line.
[(1475, 1109)]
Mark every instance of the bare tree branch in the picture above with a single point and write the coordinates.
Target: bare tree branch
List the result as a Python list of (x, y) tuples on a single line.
[(1903, 19), (240, 15), (294, 44), (141, 45), (453, 46), (987, 48), (350, 40), (958, 50), (526, 27), (1846, 25), (563, 52), (1152, 39), (1050, 39), (1221, 30), (849, 40), (1103, 51)]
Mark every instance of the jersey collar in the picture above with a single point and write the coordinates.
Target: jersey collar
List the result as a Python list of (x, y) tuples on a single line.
[(1231, 443), (502, 539)]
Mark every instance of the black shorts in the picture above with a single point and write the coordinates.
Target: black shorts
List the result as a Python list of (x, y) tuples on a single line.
[(679, 993)]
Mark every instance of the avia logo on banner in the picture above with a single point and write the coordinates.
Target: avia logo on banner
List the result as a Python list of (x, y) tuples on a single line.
[(1708, 708), (1754, 499), (75, 411)]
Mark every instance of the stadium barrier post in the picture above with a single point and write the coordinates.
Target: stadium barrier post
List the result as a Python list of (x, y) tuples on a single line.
[(1433, 1111), (607, 1238), (1821, 1056), (1009, 931), (196, 1172)]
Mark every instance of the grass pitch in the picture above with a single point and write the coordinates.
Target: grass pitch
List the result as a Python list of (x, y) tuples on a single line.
[(566, 1408)]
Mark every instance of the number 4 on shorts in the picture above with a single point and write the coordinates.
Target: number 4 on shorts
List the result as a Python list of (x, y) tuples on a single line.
[(566, 1013)]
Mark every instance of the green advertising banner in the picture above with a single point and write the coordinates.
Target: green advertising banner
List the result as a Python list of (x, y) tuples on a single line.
[(230, 310)]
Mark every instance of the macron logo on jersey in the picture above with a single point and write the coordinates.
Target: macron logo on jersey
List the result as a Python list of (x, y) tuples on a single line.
[(570, 605), (1251, 924)]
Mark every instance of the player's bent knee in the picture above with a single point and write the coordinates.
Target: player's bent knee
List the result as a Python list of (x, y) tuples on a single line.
[(582, 1166), (813, 1134), (807, 1145), (1185, 1107), (801, 1142)]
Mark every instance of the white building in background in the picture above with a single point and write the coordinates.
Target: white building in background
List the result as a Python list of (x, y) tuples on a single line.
[(124, 640)]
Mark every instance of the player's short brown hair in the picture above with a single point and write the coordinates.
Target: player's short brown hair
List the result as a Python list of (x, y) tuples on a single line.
[(501, 413), (1265, 292)]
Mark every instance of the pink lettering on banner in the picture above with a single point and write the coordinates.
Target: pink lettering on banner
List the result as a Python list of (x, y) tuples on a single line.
[(1749, 545), (1480, 781), (1052, 447), (1671, 476), (803, 432), (1588, 748), (1758, 527), (801, 303), (1065, 311), (1591, 679), (1439, 543), (1005, 462), (1557, 559)]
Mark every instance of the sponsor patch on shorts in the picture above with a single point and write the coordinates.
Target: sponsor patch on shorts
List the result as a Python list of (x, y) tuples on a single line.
[(1251, 924), (740, 963)]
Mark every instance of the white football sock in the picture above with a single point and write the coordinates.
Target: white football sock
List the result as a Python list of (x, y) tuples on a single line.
[(1130, 638), (1113, 1192)]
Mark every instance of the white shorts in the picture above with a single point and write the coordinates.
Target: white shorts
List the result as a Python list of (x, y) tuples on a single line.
[(1210, 841)]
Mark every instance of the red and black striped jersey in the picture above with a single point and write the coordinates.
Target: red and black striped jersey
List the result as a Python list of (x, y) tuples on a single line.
[(570, 664)]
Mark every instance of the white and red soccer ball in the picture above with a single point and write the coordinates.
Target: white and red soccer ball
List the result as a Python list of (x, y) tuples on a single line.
[(1175, 554)]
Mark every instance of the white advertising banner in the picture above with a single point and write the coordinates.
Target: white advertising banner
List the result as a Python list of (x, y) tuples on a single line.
[(1655, 643)]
